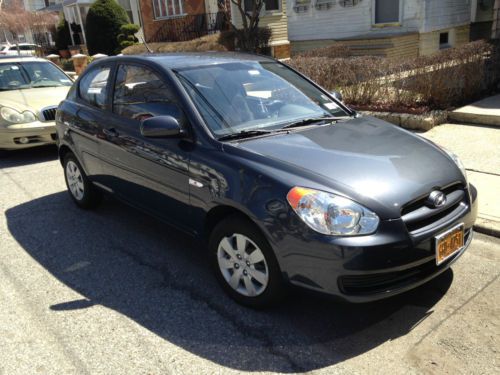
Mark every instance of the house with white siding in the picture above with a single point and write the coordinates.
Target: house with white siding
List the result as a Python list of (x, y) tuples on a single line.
[(392, 28)]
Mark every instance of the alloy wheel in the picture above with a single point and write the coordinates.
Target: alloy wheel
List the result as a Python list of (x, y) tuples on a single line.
[(75, 180), (243, 265)]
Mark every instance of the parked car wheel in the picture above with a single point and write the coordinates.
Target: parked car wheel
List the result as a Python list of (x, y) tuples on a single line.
[(244, 263), (83, 193)]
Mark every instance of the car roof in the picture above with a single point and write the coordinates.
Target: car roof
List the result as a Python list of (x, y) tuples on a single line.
[(191, 59)]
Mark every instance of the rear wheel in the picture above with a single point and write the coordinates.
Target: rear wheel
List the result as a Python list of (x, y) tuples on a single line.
[(245, 264), (81, 190)]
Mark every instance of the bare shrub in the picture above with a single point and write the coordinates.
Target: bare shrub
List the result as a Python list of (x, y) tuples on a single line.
[(334, 51), (203, 44), (445, 79)]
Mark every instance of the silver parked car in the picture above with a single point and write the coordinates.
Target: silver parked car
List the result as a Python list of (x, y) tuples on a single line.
[(30, 90)]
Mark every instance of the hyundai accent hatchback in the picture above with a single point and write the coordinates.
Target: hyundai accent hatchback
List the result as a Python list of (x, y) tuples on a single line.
[(286, 183)]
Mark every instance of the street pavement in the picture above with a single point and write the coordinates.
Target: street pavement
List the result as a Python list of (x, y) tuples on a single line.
[(113, 291)]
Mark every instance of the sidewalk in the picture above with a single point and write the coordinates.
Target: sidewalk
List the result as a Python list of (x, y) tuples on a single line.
[(479, 149), (484, 112)]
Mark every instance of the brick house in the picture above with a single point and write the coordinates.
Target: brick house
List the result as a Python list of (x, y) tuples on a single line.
[(177, 20)]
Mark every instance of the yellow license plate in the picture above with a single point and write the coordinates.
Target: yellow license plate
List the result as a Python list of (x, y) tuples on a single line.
[(449, 242)]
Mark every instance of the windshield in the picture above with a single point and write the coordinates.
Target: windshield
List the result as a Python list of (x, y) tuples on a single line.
[(236, 97), (25, 75)]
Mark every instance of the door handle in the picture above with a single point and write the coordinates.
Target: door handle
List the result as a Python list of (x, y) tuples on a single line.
[(111, 132)]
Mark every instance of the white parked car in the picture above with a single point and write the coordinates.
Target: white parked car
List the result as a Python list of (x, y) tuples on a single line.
[(25, 49)]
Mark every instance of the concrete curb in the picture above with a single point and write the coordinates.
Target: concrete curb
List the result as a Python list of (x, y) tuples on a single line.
[(488, 227), (422, 122)]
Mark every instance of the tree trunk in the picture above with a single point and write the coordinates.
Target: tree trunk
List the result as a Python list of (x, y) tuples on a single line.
[(495, 32)]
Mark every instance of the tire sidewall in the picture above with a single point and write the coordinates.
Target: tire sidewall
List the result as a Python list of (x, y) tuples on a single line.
[(89, 198)]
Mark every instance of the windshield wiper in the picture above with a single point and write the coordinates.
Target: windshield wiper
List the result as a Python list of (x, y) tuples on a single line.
[(244, 134), (40, 86), (312, 120)]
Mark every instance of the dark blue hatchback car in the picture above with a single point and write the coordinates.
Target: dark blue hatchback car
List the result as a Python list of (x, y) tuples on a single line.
[(286, 183)]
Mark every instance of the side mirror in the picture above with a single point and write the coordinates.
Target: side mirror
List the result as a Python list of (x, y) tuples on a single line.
[(161, 127), (337, 95)]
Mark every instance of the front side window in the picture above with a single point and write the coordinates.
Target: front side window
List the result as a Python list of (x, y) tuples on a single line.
[(168, 8), (28, 75), (240, 96), (269, 5), (140, 94), (94, 87), (386, 11)]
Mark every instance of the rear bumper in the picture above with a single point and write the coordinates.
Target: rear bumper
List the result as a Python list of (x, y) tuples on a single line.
[(369, 268), (37, 133)]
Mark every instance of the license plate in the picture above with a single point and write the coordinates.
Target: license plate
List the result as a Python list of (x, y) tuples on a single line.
[(448, 243)]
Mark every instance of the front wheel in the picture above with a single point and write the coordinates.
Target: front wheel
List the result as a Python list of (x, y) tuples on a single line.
[(81, 190), (245, 264)]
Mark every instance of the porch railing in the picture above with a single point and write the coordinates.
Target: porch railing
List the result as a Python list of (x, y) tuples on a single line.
[(190, 27)]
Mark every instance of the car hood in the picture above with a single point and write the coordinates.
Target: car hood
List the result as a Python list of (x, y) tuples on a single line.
[(33, 99), (376, 163)]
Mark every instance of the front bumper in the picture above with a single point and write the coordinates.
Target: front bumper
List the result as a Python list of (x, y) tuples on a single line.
[(369, 268), (37, 133)]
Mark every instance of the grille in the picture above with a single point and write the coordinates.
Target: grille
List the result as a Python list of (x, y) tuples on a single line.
[(49, 113), (382, 282), (419, 217)]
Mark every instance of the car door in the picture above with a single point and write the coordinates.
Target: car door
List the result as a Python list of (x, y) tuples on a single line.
[(151, 173), (85, 117)]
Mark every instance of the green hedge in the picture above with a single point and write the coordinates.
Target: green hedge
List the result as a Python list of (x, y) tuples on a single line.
[(104, 20), (63, 38)]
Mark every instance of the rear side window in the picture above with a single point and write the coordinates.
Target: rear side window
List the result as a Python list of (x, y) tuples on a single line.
[(140, 93), (93, 87)]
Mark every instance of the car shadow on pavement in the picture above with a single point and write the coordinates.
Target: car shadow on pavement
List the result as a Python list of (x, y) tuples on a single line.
[(127, 261), (17, 158)]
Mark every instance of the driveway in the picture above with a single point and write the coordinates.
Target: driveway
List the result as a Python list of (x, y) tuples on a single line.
[(114, 291)]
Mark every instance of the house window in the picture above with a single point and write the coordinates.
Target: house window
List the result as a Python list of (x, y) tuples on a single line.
[(168, 8), (444, 40), (272, 5), (269, 5), (386, 11), (301, 5), (324, 4)]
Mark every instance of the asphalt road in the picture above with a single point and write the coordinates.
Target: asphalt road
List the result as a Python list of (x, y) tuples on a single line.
[(113, 291)]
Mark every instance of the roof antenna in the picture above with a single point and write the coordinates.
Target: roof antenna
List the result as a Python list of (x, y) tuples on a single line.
[(146, 45)]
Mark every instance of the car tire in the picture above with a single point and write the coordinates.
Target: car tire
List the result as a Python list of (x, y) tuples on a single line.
[(244, 263), (81, 190)]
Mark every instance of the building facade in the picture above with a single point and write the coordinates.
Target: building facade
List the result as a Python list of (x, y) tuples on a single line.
[(275, 16), (393, 28)]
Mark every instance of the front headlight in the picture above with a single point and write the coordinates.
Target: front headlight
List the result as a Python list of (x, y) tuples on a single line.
[(331, 214), (16, 117), (457, 161)]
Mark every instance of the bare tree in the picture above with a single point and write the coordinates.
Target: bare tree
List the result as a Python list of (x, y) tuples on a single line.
[(495, 34), (249, 37), (249, 17), (15, 19)]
